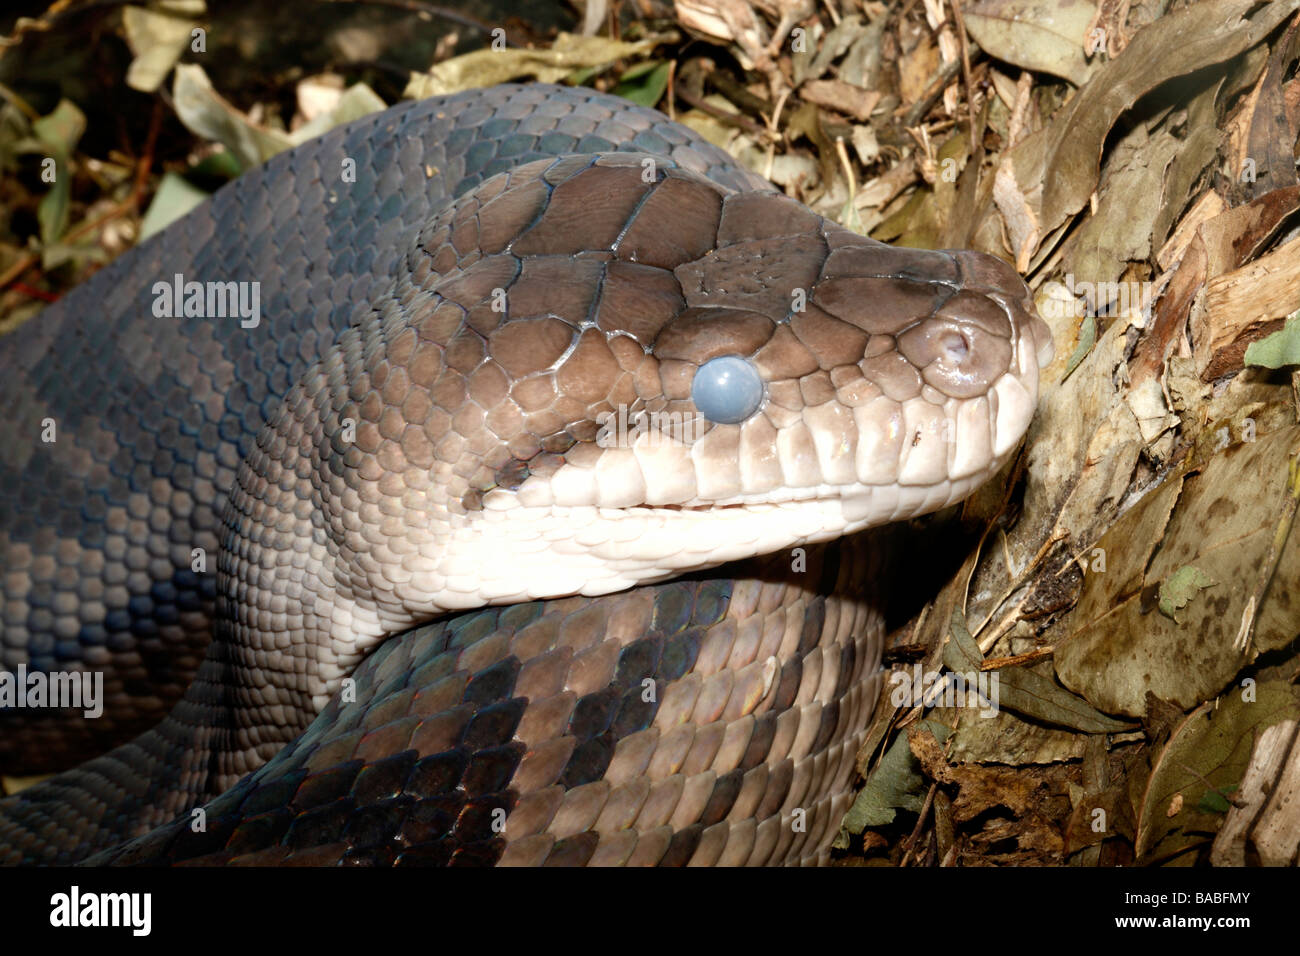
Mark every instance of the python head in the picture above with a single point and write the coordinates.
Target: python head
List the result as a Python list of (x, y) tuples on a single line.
[(601, 371)]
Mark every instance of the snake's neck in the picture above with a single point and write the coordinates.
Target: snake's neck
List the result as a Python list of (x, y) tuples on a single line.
[(303, 600)]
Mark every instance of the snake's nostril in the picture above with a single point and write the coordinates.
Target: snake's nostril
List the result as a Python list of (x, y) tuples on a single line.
[(957, 346)]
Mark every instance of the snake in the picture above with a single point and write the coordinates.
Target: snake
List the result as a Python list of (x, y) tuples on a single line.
[(487, 481)]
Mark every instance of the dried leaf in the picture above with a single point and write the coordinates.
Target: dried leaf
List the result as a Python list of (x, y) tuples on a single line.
[(1246, 305), (1021, 690), (843, 97), (1063, 157), (491, 66), (1041, 35), (1117, 651), (1022, 224), (1265, 816)]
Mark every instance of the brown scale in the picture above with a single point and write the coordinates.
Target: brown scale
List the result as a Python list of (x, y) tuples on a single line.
[(713, 773)]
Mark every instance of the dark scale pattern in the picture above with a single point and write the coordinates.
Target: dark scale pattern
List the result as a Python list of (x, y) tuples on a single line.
[(689, 783), (164, 408)]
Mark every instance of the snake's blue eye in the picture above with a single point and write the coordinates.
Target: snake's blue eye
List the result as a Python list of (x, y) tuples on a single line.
[(727, 390)]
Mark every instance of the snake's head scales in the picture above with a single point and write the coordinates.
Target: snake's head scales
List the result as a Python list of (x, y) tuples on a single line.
[(601, 371)]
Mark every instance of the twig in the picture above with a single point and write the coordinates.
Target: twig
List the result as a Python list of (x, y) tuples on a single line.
[(735, 119), (915, 835), (672, 81), (21, 104), (965, 68), (1017, 660), (932, 92)]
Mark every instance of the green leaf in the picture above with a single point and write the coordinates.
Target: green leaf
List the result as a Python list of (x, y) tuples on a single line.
[(895, 784), (1212, 801), (1087, 339), (640, 69), (52, 211), (1180, 587), (174, 198), (1279, 349), (60, 130), (57, 135), (157, 38), (221, 164), (651, 81)]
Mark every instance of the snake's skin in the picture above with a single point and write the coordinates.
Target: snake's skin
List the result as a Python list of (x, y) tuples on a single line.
[(496, 271)]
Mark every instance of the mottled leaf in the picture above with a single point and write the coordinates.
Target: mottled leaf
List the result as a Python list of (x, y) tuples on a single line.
[(1117, 649), (1208, 752), (1042, 35)]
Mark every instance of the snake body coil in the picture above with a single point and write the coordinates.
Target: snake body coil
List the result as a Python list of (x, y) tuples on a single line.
[(519, 349)]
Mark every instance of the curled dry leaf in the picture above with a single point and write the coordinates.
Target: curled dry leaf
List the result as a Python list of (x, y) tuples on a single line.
[(1063, 157), (844, 97), (732, 21)]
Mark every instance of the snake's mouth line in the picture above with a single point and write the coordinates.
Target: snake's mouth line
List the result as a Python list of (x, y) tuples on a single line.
[(759, 507), (764, 502)]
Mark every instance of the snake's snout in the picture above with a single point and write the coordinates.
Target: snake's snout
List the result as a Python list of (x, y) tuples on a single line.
[(999, 281), (955, 345)]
